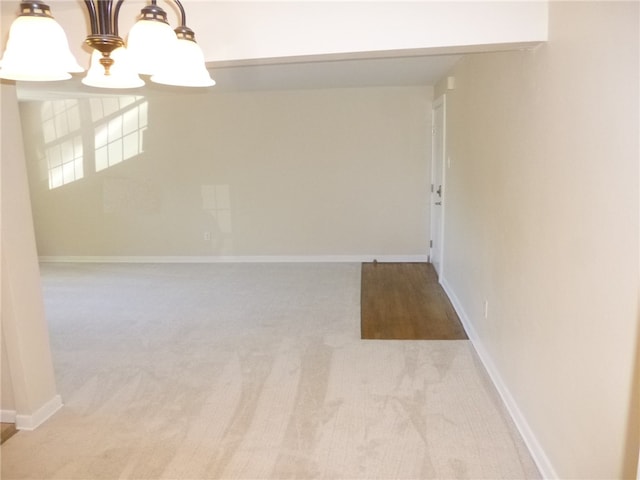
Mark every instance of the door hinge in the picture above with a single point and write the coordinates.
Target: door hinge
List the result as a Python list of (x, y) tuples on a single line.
[(430, 243), (432, 188)]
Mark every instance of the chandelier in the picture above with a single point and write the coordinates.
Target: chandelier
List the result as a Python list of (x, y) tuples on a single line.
[(38, 50)]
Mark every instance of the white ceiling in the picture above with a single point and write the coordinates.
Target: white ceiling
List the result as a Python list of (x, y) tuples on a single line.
[(283, 74), (334, 73), (371, 43)]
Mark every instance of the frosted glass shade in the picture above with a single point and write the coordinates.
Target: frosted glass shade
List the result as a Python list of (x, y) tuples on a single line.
[(122, 74), (185, 67), (149, 43), (37, 50)]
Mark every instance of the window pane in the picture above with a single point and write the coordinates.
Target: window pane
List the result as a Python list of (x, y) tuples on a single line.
[(63, 142), (110, 105), (130, 145), (223, 197), (115, 152), (58, 106), (120, 138), (68, 172), (61, 125), (102, 159), (130, 121), (96, 109), (126, 101), (48, 131), (115, 128), (74, 118), (77, 147), (54, 156), (55, 177), (101, 136), (67, 151), (224, 221), (79, 168), (46, 111)]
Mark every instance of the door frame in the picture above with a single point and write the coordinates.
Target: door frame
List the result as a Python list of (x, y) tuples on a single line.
[(436, 245)]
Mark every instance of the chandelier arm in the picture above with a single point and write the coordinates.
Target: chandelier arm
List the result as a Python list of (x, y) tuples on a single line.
[(104, 16), (183, 16), (91, 8), (109, 19), (116, 13)]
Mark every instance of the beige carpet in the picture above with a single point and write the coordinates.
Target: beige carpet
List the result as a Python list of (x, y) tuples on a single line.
[(252, 371)]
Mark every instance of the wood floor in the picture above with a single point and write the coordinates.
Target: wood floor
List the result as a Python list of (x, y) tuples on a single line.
[(8, 431), (404, 301)]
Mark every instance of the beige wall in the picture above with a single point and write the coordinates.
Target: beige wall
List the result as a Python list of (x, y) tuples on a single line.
[(7, 400), (25, 339), (297, 173), (542, 222)]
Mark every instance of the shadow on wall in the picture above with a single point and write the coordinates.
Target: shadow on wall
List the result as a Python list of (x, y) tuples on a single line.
[(631, 467)]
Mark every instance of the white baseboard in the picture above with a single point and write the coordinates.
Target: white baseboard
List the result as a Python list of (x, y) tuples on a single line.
[(31, 422), (235, 259), (8, 416), (536, 450)]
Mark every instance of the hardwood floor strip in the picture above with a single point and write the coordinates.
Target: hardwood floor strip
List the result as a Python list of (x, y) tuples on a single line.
[(404, 301), (8, 431)]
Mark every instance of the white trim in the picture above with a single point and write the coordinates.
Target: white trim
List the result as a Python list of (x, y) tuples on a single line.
[(31, 422), (8, 416), (440, 101), (537, 452), (235, 259)]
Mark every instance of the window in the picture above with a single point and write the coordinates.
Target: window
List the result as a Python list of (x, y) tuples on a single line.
[(62, 141), (120, 123)]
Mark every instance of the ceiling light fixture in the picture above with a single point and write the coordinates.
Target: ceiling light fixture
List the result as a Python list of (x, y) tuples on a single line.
[(38, 50)]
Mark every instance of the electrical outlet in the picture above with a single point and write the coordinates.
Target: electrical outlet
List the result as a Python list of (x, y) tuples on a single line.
[(207, 236)]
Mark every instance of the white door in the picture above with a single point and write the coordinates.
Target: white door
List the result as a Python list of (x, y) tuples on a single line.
[(437, 184)]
